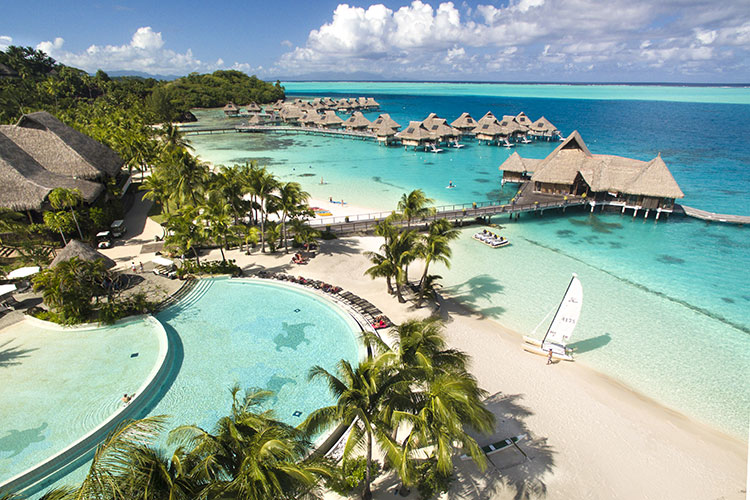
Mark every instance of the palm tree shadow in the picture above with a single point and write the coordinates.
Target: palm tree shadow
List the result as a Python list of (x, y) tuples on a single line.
[(340, 246), (10, 355), (517, 470), (474, 292)]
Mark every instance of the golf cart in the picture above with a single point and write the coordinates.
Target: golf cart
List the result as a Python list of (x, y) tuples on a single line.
[(118, 228), (104, 239)]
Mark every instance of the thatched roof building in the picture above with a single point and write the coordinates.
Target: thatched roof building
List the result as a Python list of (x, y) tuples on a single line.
[(572, 169), (357, 122), (253, 108), (309, 118), (330, 120), (231, 109), (83, 251), (384, 134), (415, 135), (489, 129), (523, 121), (62, 149), (543, 128), (439, 128), (256, 119), (517, 169), (384, 120), (290, 113), (465, 123), (487, 118), (511, 127), (26, 183), (372, 103)]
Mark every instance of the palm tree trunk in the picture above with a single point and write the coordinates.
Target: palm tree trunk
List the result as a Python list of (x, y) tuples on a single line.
[(422, 281), (197, 257), (221, 249), (262, 233), (283, 233), (398, 292), (367, 493), (389, 284), (72, 212), (63, 237)]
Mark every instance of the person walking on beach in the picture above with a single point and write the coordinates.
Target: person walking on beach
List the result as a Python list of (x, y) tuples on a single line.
[(549, 357)]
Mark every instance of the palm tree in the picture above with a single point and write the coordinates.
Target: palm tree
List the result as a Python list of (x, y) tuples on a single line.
[(190, 175), (185, 232), (360, 393), (228, 184), (303, 233), (401, 252), (291, 201), (172, 138), (61, 198), (219, 219), (158, 189), (414, 205), (383, 267), (262, 185), (435, 247), (250, 455), (56, 221)]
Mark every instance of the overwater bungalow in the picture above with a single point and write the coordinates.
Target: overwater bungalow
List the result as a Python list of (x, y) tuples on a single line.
[(290, 114), (517, 169), (488, 129), (309, 118), (385, 134), (487, 118), (357, 122), (252, 108), (361, 102), (415, 135), (40, 153), (231, 109), (465, 124), (372, 103), (543, 129), (439, 129), (384, 119), (523, 121), (257, 120), (607, 180), (330, 120), (511, 128)]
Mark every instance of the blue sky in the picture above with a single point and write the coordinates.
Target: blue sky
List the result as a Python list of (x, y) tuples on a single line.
[(482, 40)]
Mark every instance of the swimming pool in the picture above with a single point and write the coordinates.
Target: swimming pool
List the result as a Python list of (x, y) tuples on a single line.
[(60, 384), (254, 334)]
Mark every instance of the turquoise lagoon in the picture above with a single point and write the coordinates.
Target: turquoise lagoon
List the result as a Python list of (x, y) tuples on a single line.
[(667, 304)]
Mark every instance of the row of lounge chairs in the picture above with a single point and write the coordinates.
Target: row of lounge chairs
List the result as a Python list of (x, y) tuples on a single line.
[(491, 239), (372, 314)]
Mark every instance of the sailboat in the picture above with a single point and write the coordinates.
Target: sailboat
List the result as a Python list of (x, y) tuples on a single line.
[(562, 325)]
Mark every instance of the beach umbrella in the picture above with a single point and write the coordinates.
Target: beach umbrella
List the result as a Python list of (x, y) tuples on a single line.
[(23, 272), (7, 289)]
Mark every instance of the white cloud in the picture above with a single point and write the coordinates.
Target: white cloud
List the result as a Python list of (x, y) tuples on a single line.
[(146, 52), (5, 42), (570, 35)]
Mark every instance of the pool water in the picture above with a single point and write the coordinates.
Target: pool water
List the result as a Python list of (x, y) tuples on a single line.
[(58, 385), (252, 334)]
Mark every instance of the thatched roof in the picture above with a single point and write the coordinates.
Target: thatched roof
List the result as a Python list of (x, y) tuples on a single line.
[(416, 131), (511, 126), (62, 149), (330, 119), (5, 71), (357, 120), (384, 131), (26, 183), (487, 118), (290, 112), (310, 117), (606, 172), (490, 128), (230, 106), (464, 122), (372, 103), (252, 108), (438, 127), (256, 119), (515, 163), (543, 126), (384, 120), (83, 251), (523, 120)]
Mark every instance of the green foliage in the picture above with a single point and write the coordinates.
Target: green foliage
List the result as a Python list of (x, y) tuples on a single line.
[(431, 482), (221, 87), (350, 475), (210, 267)]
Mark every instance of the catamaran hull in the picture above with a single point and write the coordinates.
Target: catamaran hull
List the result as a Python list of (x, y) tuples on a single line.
[(534, 346)]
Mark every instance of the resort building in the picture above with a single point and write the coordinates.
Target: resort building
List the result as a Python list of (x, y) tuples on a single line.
[(40, 153), (231, 109), (511, 128), (330, 120), (357, 122), (252, 108), (290, 114), (372, 103), (384, 134), (488, 129), (465, 124), (571, 169), (384, 120), (309, 118), (415, 135), (523, 121), (543, 129)]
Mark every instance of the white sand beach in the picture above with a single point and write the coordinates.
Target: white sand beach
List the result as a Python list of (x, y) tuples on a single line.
[(589, 436)]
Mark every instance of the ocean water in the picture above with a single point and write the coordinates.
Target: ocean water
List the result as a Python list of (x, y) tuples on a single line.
[(666, 304)]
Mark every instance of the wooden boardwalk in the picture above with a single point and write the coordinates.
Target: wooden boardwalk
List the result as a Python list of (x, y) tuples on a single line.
[(714, 217), (284, 129), (458, 213)]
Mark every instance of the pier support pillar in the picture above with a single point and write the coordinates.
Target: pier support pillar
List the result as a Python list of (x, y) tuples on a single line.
[(635, 212), (658, 213), (593, 205), (623, 209), (645, 216)]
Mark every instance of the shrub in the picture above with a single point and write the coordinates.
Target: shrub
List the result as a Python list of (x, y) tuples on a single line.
[(431, 482), (209, 267), (350, 475)]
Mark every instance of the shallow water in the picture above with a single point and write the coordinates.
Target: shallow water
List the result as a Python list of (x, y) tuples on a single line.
[(667, 304)]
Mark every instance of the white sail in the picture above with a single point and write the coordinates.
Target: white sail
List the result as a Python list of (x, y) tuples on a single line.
[(565, 319)]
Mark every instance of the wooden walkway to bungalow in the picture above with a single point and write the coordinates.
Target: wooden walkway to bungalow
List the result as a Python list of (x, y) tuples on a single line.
[(456, 212), (285, 129), (714, 217)]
